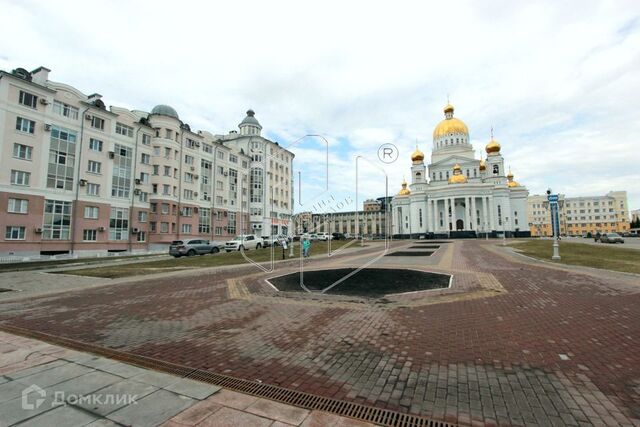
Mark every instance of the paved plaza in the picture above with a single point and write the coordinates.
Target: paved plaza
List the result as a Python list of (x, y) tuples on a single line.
[(511, 342)]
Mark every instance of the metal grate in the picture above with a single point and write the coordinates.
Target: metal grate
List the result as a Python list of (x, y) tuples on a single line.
[(383, 417)]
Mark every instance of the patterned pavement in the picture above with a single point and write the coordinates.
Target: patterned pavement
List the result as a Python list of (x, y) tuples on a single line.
[(512, 342)]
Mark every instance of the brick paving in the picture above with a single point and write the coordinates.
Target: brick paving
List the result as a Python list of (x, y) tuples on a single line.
[(511, 343)]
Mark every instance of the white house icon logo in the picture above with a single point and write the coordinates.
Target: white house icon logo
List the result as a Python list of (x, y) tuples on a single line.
[(39, 394)]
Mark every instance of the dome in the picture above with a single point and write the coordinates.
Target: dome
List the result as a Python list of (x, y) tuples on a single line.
[(165, 110), (250, 119), (483, 165), (492, 147), (405, 191), (511, 182), (450, 125), (457, 177), (417, 155)]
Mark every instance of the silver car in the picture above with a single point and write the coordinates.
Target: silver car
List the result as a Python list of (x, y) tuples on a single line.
[(193, 247), (611, 238)]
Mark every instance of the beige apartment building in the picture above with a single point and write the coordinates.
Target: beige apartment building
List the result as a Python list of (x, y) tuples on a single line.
[(76, 177), (581, 215)]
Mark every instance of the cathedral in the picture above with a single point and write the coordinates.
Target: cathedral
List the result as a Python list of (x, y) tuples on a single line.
[(456, 194)]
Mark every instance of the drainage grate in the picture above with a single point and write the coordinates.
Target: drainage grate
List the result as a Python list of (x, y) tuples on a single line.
[(424, 247), (384, 417), (410, 253)]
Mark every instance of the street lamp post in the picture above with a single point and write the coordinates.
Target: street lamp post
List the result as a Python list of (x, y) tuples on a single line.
[(555, 224), (504, 232)]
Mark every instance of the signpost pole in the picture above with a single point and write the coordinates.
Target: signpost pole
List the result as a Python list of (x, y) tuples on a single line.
[(555, 224)]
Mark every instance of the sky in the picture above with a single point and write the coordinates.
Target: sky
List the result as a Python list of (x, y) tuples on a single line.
[(558, 81)]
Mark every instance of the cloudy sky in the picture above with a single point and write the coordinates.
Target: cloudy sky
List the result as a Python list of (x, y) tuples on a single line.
[(558, 81)]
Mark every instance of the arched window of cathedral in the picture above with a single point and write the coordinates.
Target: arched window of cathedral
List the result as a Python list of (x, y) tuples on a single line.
[(457, 140), (496, 169), (418, 176), (440, 176), (447, 175), (434, 176), (467, 173), (475, 173)]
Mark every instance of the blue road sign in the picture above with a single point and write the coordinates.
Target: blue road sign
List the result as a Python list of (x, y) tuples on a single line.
[(555, 217)]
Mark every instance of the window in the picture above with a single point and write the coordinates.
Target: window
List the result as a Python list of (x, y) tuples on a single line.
[(142, 236), (94, 167), (191, 143), (93, 189), (15, 232), (189, 159), (62, 156), (91, 212), (97, 123), (204, 222), (89, 235), (142, 216), (156, 170), (165, 209), (207, 148), (233, 158), (20, 177), (188, 177), (166, 190), (218, 231), (122, 129), (28, 99), (146, 139), (18, 206), (23, 152), (95, 145), (145, 158), (220, 155), (186, 228), (25, 125), (496, 169), (167, 171), (65, 110), (164, 227), (256, 184), (121, 179), (188, 194), (119, 224), (144, 178), (231, 227), (57, 220), (143, 196)]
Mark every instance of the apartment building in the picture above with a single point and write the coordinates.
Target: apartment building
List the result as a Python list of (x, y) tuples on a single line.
[(581, 215), (78, 177)]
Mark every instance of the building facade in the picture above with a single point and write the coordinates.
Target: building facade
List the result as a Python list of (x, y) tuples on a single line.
[(76, 177), (369, 222), (580, 216), (457, 194)]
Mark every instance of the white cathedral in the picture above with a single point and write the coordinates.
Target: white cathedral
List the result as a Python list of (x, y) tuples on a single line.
[(458, 195)]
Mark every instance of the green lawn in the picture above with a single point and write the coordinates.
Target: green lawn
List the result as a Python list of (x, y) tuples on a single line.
[(186, 263), (605, 256)]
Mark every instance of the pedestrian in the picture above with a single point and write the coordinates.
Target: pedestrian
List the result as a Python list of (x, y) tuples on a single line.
[(306, 246)]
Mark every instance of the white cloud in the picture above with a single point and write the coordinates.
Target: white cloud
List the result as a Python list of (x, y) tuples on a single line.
[(558, 82)]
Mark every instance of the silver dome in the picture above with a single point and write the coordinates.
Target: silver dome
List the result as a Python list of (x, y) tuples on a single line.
[(165, 110)]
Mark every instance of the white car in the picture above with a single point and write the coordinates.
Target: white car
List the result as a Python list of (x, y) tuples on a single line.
[(312, 236), (246, 242), (324, 236)]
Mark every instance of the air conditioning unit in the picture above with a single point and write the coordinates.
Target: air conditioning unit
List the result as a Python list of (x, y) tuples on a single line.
[(101, 229), (83, 182), (138, 181), (197, 144), (196, 176), (137, 191), (112, 154), (225, 201), (195, 194), (193, 168), (88, 117), (135, 230), (38, 230), (47, 127), (44, 101)]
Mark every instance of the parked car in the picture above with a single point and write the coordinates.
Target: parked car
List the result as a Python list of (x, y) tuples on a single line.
[(313, 236), (268, 241), (338, 236), (324, 236), (246, 242), (287, 238), (611, 238), (193, 247)]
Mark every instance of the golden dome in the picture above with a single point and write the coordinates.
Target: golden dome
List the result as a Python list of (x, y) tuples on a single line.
[(492, 147), (417, 155), (450, 124), (405, 191), (511, 182), (457, 177), (483, 165)]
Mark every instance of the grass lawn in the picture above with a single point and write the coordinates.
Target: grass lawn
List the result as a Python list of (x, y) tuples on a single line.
[(608, 257), (185, 263)]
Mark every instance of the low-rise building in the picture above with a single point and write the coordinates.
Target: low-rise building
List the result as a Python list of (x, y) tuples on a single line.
[(580, 216)]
